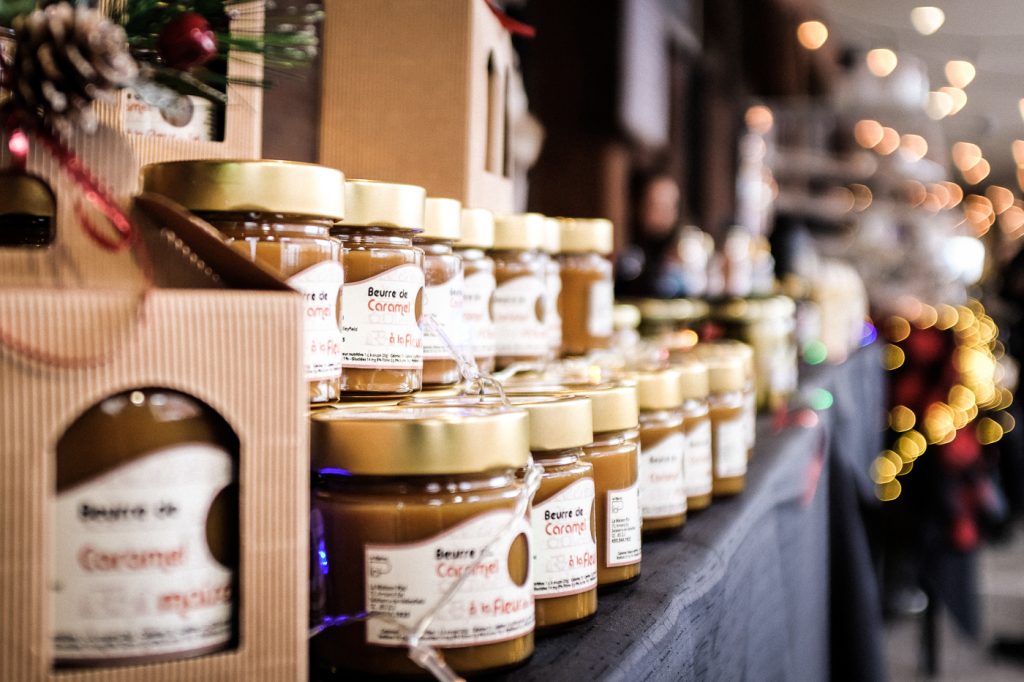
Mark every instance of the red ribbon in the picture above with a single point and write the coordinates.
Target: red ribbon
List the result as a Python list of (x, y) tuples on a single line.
[(511, 25)]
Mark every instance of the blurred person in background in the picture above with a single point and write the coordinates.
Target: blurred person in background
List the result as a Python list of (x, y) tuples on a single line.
[(650, 266)]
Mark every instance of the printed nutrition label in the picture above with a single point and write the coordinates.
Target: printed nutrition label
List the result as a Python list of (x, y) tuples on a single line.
[(623, 541), (730, 445)]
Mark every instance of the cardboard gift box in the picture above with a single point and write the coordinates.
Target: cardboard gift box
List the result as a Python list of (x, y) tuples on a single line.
[(79, 324), (238, 136), (416, 91)]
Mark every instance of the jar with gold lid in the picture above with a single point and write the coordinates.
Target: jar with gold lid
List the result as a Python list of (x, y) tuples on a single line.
[(662, 448), (442, 296), (518, 304), (745, 353), (277, 213), (553, 286), (697, 460), (411, 498), (666, 317), (588, 295), (383, 296), (768, 325), (614, 455), (145, 532), (726, 380), (28, 210), (563, 517), (477, 236)]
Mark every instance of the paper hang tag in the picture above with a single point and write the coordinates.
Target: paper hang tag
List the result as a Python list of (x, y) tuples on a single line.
[(74, 259)]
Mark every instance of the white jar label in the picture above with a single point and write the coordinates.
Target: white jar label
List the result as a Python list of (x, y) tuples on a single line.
[(564, 548), (662, 483), (133, 573), (600, 309), (379, 325), (623, 539), (477, 292), (444, 303), (697, 460), (408, 580), (518, 317), (552, 319), (320, 285), (750, 417), (730, 443)]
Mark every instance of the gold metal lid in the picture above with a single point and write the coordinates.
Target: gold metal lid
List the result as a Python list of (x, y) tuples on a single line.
[(614, 406), (728, 348), (285, 187), (442, 219), (552, 237), (750, 309), (625, 316), (658, 389), (520, 231), (477, 229), (384, 204), (24, 194), (586, 235), (557, 422), (673, 310), (725, 373), (693, 379), (419, 440)]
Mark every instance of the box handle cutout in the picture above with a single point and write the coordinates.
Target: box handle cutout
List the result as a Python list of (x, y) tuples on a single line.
[(28, 210)]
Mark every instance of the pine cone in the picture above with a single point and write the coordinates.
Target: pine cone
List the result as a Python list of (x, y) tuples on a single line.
[(65, 58)]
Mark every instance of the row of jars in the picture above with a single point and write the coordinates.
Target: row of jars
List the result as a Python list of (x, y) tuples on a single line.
[(394, 280), (410, 496), (767, 324)]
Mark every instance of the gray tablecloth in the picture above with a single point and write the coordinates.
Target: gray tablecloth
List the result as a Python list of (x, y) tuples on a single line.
[(743, 592)]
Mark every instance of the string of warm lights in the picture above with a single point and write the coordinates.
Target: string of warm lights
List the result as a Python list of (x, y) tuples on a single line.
[(977, 397)]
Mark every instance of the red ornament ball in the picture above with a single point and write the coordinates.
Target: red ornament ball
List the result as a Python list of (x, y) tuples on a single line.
[(187, 41)]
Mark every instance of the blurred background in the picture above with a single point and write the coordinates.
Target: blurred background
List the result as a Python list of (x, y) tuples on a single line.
[(870, 155)]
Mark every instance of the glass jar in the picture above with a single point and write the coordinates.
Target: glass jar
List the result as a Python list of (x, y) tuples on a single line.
[(145, 532), (768, 325), (668, 317), (518, 304), (588, 295), (442, 297), (726, 381), (478, 286), (383, 296), (409, 497), (563, 517), (553, 287), (614, 455), (277, 213), (745, 353), (662, 446), (697, 460)]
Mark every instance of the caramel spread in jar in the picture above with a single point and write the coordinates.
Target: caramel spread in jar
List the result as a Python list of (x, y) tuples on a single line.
[(277, 213), (518, 304), (408, 497), (479, 283), (443, 295), (588, 297), (383, 295)]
